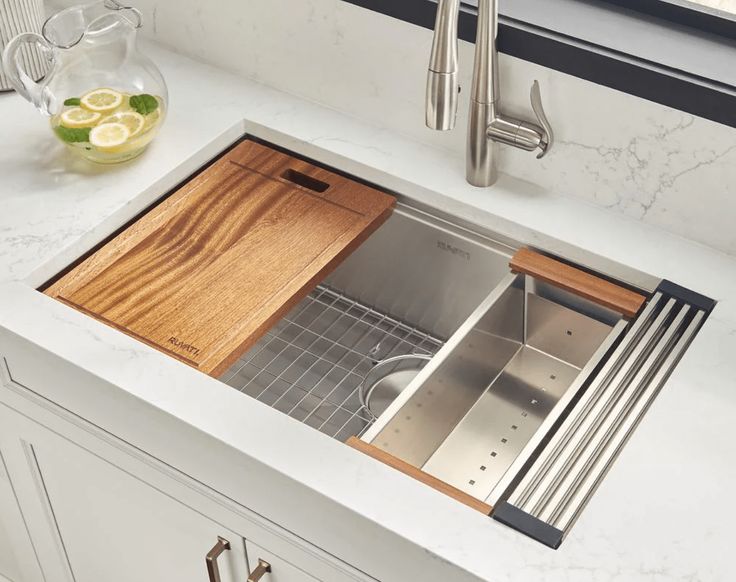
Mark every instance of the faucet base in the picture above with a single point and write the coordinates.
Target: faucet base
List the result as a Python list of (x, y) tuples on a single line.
[(481, 159)]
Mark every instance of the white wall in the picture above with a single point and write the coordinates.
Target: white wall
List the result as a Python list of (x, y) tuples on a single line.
[(635, 157)]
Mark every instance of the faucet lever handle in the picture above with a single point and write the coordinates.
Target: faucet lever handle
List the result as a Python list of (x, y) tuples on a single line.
[(549, 138)]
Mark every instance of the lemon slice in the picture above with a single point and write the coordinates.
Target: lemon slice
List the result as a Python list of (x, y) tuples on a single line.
[(77, 117), (102, 100), (109, 135), (133, 120)]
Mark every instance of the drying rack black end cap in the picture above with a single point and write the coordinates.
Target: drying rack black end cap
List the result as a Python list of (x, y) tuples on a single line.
[(687, 296), (527, 524)]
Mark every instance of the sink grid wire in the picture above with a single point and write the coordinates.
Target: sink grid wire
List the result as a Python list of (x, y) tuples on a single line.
[(311, 363)]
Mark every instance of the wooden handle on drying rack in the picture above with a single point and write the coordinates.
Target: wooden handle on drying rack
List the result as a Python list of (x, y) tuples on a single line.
[(579, 282)]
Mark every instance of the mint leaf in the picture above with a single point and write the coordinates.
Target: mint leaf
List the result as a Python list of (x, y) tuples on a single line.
[(144, 104), (73, 135), (73, 101)]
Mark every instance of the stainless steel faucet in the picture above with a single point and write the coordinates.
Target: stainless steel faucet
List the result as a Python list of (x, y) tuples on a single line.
[(488, 126)]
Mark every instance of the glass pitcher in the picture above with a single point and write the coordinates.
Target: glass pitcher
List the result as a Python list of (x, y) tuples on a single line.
[(106, 99)]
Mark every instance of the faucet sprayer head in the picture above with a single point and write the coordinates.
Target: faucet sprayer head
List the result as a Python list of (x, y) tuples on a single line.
[(442, 83), (442, 92)]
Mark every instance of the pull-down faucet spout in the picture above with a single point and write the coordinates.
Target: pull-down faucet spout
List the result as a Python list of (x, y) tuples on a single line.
[(442, 83), (487, 125)]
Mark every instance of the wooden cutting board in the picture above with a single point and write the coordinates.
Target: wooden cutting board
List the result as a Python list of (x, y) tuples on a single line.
[(209, 270)]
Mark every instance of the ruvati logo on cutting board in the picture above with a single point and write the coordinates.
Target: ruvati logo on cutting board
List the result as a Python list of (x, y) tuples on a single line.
[(189, 348)]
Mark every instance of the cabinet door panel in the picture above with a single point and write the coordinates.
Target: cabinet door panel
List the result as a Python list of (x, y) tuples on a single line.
[(117, 528), (97, 522), (10, 523), (27, 486)]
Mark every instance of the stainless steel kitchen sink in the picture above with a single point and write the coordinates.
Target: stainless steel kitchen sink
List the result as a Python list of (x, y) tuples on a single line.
[(405, 290), (526, 373), (533, 385)]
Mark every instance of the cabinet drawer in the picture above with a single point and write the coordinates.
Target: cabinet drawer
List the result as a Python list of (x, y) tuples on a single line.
[(292, 564), (278, 569)]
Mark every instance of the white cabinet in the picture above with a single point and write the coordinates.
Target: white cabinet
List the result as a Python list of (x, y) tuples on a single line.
[(116, 528), (92, 521), (18, 561), (98, 510), (9, 567)]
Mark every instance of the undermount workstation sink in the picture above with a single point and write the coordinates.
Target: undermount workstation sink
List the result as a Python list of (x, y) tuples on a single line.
[(514, 339), (406, 290), (514, 344)]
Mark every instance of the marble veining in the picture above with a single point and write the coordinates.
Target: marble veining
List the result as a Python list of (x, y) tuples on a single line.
[(625, 154)]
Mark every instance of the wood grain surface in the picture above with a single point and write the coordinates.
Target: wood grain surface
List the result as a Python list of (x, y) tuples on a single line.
[(419, 475), (209, 270), (589, 286)]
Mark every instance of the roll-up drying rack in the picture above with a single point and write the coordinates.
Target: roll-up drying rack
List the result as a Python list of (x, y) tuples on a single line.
[(551, 494)]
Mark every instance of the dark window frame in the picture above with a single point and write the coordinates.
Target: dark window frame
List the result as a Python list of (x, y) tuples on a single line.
[(624, 71)]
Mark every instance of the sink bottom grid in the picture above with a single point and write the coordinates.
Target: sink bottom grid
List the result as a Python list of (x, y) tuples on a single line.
[(311, 364)]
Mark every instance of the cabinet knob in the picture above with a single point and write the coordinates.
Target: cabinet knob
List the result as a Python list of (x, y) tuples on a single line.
[(263, 568), (213, 569)]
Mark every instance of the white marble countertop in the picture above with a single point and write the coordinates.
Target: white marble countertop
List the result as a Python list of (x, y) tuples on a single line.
[(662, 513)]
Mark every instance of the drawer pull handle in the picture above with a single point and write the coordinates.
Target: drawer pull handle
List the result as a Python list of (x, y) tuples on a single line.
[(263, 568), (213, 569)]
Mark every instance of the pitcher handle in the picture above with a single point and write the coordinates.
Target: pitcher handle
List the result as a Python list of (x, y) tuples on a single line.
[(18, 77)]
